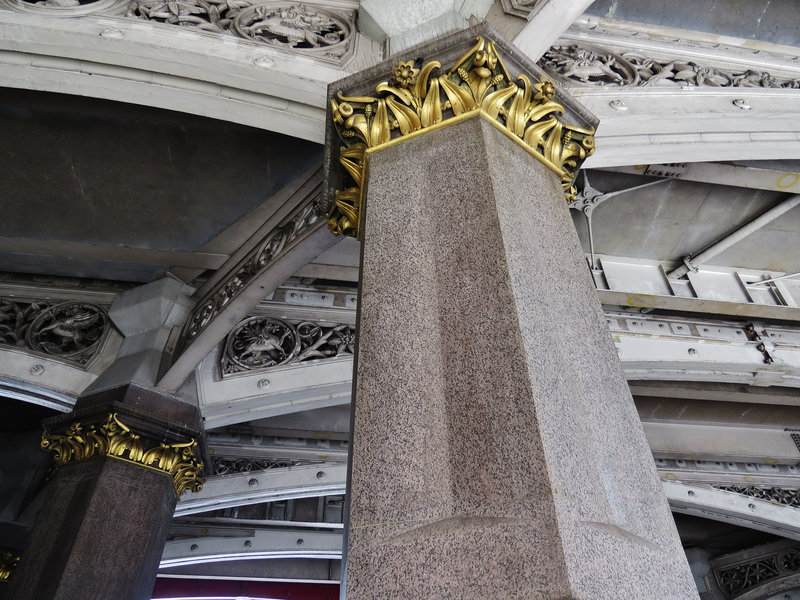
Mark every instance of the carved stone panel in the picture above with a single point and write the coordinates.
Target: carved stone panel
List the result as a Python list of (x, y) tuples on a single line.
[(72, 331), (263, 342)]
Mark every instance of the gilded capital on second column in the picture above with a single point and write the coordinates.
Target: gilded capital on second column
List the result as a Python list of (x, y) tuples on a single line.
[(114, 439), (423, 97)]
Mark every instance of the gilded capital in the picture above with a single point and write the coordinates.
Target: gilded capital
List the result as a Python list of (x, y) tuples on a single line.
[(114, 439), (418, 97), (8, 562)]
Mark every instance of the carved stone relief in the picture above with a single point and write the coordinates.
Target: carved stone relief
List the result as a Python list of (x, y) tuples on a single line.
[(295, 26), (784, 496), (221, 465), (592, 65), (263, 342), (734, 580), (70, 330), (323, 33), (258, 260)]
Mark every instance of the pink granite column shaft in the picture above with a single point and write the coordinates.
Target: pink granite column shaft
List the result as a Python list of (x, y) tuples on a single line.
[(496, 449)]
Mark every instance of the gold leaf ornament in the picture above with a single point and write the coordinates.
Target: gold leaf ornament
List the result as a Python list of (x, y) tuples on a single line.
[(116, 440), (418, 99)]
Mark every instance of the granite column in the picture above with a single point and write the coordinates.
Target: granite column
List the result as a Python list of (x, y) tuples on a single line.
[(496, 450), (123, 457)]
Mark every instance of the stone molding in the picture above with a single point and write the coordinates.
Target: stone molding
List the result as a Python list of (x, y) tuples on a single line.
[(692, 59), (321, 30)]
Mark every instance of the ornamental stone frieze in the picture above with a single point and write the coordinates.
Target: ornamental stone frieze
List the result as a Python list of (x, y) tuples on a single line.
[(264, 342), (68, 331), (586, 64), (439, 86), (760, 572), (325, 33)]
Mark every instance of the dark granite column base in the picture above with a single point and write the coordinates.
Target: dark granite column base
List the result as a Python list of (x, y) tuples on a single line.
[(101, 531)]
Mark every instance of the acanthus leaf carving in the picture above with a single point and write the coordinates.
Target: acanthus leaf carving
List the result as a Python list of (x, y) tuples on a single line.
[(294, 26)]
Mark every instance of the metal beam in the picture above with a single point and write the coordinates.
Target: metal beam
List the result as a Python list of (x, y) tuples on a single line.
[(265, 486), (272, 543), (734, 508)]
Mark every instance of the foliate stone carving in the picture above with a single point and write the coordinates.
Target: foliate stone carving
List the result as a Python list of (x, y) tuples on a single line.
[(416, 99), (771, 564), (263, 342), (784, 496), (741, 578), (114, 439), (224, 466), (253, 264), (296, 26), (71, 331), (592, 65)]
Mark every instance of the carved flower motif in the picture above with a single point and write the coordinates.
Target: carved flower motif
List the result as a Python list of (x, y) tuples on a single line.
[(405, 74), (344, 340), (544, 91)]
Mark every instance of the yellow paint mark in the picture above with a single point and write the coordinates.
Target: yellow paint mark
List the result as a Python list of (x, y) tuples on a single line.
[(639, 300), (749, 479), (670, 476), (640, 167), (770, 461), (321, 435), (322, 456), (787, 180)]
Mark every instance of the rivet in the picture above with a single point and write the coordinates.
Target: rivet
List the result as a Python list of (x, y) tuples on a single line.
[(692, 351), (742, 104), (262, 383), (37, 370), (264, 61), (253, 482), (193, 547), (618, 105), (300, 541), (751, 506), (320, 474), (247, 543), (111, 33)]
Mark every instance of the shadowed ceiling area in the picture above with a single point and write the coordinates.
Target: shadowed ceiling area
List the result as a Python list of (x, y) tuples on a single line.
[(97, 174)]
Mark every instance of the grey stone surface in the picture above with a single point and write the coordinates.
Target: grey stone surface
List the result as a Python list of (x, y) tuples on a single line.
[(496, 452)]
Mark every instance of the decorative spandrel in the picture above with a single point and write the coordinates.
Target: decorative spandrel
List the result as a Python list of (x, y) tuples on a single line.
[(115, 439), (420, 98)]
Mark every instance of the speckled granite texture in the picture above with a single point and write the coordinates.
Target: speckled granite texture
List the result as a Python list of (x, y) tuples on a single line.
[(496, 450)]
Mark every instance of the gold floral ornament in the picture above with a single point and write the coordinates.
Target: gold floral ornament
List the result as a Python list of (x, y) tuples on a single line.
[(8, 562), (416, 99), (116, 440)]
